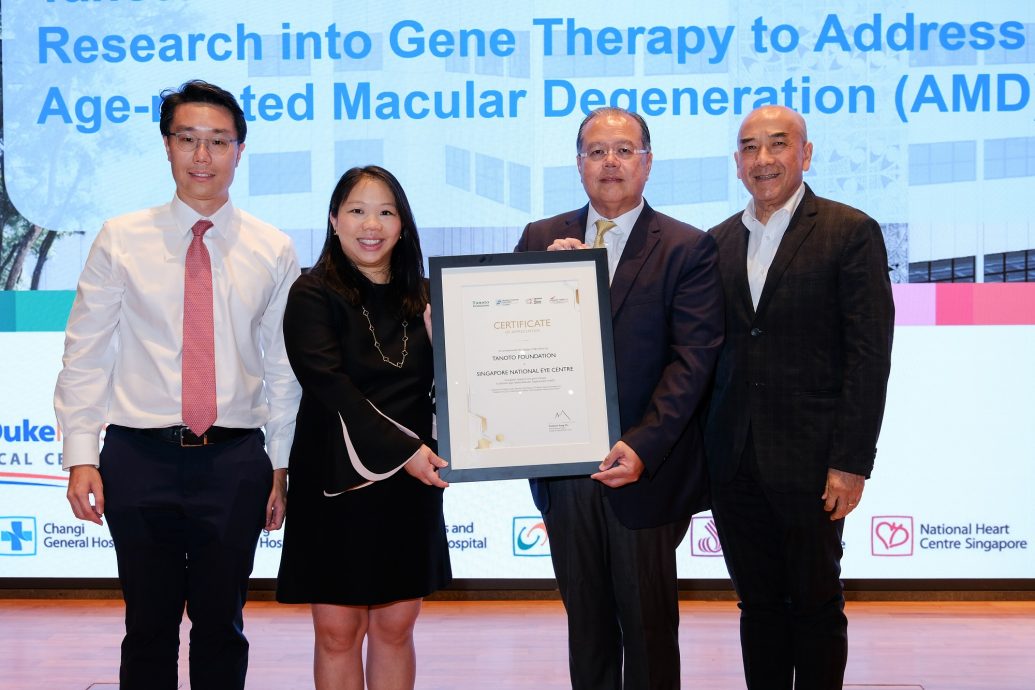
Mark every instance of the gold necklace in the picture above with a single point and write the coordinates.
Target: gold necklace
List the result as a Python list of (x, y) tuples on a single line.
[(397, 365)]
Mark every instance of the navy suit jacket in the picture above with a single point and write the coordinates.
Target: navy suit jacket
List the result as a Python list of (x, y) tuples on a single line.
[(807, 370), (666, 308)]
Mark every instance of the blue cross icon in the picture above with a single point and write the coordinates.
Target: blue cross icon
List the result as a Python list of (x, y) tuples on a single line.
[(16, 535)]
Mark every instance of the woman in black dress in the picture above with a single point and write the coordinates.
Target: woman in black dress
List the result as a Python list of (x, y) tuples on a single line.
[(365, 540)]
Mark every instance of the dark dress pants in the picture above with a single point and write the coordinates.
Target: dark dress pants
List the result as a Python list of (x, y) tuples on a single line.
[(784, 556), (185, 522), (619, 590)]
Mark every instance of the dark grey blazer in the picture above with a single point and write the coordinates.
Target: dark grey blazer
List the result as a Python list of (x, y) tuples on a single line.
[(807, 371), (666, 308)]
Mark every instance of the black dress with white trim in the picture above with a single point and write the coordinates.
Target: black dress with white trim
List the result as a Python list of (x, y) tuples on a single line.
[(360, 530)]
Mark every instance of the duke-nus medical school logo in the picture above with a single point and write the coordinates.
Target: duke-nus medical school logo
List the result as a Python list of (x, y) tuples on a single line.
[(17, 536), (891, 535), (530, 537), (704, 537)]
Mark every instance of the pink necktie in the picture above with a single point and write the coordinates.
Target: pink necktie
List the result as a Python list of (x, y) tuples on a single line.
[(199, 344)]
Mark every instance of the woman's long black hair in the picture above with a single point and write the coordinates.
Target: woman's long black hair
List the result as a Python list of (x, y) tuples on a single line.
[(406, 283)]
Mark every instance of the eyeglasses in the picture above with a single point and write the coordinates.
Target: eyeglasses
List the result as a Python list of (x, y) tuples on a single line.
[(622, 153), (187, 142)]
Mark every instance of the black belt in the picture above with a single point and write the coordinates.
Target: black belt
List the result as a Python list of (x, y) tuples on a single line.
[(185, 438)]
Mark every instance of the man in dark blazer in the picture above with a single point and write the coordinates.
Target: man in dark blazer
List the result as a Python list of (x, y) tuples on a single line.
[(613, 535), (797, 403)]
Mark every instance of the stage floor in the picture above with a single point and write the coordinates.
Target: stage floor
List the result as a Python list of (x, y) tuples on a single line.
[(511, 645)]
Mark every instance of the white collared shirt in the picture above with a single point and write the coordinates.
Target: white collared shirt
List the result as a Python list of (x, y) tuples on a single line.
[(616, 237), (124, 339), (764, 239)]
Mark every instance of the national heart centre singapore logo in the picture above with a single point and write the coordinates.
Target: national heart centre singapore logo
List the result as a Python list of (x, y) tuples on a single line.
[(891, 535)]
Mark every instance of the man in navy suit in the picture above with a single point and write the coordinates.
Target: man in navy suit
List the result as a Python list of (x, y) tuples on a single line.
[(797, 404), (613, 535)]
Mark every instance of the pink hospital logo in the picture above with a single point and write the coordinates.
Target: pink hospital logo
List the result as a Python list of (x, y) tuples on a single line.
[(891, 535), (704, 538)]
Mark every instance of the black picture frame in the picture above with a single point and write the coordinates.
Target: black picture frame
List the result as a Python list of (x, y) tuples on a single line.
[(450, 275)]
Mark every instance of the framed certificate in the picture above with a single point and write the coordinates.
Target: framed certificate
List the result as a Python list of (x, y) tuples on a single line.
[(524, 364)]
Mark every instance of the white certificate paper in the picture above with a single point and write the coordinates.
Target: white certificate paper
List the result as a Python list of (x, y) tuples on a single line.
[(526, 379)]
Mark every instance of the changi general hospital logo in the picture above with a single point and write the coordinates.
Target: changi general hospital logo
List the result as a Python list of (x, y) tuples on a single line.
[(704, 537), (17, 536), (891, 535), (530, 537)]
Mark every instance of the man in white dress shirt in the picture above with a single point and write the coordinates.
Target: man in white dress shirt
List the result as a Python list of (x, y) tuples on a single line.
[(797, 402), (185, 500)]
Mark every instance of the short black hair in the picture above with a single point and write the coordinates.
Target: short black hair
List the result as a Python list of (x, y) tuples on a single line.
[(406, 284), (198, 91), (614, 110)]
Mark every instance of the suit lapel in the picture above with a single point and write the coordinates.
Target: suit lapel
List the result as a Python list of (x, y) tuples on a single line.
[(574, 224), (735, 265), (642, 240), (801, 226)]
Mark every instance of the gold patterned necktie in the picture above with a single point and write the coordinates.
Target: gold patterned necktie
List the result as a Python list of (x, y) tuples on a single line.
[(603, 226)]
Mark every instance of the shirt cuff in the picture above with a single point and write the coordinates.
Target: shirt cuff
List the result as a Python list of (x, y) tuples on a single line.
[(81, 449), (279, 453)]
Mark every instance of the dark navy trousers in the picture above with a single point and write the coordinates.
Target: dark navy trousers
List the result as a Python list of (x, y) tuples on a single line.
[(185, 523)]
